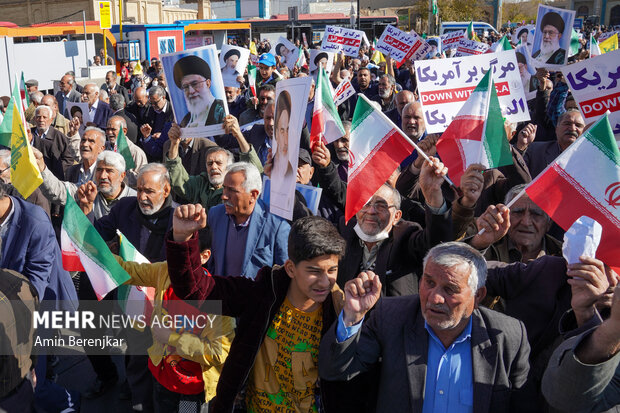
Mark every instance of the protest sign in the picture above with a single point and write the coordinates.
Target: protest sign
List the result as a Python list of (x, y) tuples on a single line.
[(468, 47), (595, 86), (526, 71), (524, 35), (325, 59), (196, 90), (287, 51), (445, 84), (338, 39), (343, 92), (290, 110), (401, 46), (233, 60), (552, 37), (311, 194), (451, 40), (79, 110), (435, 43)]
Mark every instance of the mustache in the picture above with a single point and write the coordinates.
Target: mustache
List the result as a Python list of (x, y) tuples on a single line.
[(572, 133), (442, 308), (146, 204)]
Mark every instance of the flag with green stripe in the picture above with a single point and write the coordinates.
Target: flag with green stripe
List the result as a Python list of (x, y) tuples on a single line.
[(326, 124), (121, 146)]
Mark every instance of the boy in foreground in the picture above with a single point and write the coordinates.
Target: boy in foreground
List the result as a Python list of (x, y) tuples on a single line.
[(282, 314)]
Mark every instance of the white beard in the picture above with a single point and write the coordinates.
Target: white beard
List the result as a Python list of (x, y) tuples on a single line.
[(201, 104), (547, 49)]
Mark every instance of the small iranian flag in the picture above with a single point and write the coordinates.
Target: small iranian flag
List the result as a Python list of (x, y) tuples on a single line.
[(252, 79), (471, 34), (23, 90), (585, 180), (594, 49), (326, 124), (83, 249), (134, 300), (476, 134), (121, 146), (574, 44), (377, 148), (502, 45)]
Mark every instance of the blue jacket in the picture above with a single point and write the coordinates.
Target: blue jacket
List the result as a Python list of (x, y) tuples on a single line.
[(30, 248), (102, 114), (266, 245)]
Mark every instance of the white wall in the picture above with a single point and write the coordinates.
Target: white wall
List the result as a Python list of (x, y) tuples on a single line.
[(45, 62)]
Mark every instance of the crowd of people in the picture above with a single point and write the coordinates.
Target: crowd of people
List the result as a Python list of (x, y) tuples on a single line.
[(406, 307)]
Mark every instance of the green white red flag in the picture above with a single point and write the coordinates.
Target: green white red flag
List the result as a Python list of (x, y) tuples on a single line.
[(134, 300), (23, 90), (476, 134), (326, 124), (252, 79), (121, 146), (585, 180), (83, 249), (376, 149)]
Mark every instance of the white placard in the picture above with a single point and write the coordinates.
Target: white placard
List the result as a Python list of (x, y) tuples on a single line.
[(467, 47), (343, 92), (338, 39), (451, 40)]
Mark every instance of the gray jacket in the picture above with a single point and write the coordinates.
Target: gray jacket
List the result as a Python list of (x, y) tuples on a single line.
[(395, 332)]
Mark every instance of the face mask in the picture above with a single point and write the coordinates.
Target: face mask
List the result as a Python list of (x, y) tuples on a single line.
[(370, 238), (154, 83)]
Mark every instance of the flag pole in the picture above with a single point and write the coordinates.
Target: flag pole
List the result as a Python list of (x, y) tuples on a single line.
[(399, 130)]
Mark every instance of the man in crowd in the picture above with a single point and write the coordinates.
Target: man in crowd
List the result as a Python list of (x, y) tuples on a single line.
[(401, 99), (386, 92), (117, 105), (52, 143), (99, 111), (115, 125), (139, 108), (192, 151), (112, 87), (266, 94), (158, 115), (67, 93)]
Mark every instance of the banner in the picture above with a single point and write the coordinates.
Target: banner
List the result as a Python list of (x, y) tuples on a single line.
[(596, 88), (552, 37), (401, 46), (338, 39), (343, 92), (445, 84), (450, 40), (467, 47)]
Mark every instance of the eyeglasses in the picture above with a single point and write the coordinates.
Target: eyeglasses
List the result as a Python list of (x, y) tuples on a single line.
[(196, 85), (379, 206), (550, 33)]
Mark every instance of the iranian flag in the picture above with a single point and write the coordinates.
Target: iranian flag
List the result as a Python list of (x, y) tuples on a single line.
[(476, 134), (501, 45), (594, 48), (134, 300), (376, 149), (585, 180), (252, 79), (470, 33), (574, 44), (23, 91), (83, 249), (121, 146), (326, 124)]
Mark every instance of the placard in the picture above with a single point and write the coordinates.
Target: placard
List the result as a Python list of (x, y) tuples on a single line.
[(338, 39)]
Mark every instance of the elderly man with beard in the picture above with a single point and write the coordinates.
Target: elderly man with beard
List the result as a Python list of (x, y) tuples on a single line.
[(235, 100), (51, 142), (540, 154), (206, 188), (193, 76), (552, 26), (158, 118), (386, 92)]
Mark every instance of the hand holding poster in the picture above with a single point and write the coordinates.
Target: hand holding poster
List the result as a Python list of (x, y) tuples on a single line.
[(233, 60), (445, 84), (468, 47), (338, 39), (197, 91), (287, 51), (552, 37), (451, 40), (595, 85), (343, 92), (289, 119)]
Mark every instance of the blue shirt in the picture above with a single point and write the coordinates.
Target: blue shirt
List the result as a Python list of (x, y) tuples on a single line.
[(449, 374), (236, 240)]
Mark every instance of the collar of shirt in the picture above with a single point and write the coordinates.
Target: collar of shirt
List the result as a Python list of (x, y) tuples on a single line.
[(189, 146), (515, 254), (369, 256), (465, 334), (86, 176), (243, 224), (93, 108), (162, 109), (41, 135)]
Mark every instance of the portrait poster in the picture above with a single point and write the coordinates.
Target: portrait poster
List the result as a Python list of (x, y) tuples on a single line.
[(196, 91), (552, 37), (290, 109), (435, 43), (311, 194), (524, 35), (233, 61), (79, 109), (526, 71), (325, 59), (287, 51)]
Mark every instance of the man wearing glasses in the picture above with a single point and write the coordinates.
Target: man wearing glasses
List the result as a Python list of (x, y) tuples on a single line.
[(552, 26), (193, 76)]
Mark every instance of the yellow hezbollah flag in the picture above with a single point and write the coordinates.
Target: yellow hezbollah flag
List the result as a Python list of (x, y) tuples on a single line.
[(25, 174), (609, 45), (253, 49)]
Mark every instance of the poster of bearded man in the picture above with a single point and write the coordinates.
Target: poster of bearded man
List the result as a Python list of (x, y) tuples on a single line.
[(196, 91), (552, 37)]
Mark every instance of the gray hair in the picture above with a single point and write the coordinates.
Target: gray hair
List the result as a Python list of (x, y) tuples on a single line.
[(159, 169), (36, 97), (513, 192), (452, 254), (395, 195), (50, 110), (112, 158), (103, 95), (390, 78), (252, 181), (157, 91), (118, 118), (117, 101), (99, 132), (5, 157), (569, 111), (94, 85), (213, 149)]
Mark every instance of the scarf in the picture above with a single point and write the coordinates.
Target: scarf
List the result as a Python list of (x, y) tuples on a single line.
[(157, 224)]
